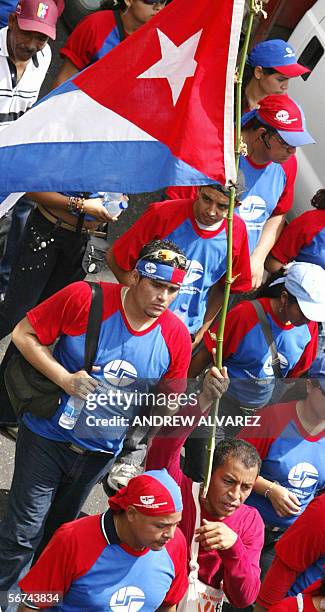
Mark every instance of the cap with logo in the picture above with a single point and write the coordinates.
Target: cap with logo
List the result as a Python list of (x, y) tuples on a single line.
[(277, 54), (153, 493), (317, 370), (36, 16), (306, 281), (283, 114)]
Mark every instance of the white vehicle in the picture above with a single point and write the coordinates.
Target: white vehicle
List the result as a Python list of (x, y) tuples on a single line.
[(308, 38)]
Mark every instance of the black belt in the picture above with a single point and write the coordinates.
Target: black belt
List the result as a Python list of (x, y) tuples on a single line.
[(80, 450)]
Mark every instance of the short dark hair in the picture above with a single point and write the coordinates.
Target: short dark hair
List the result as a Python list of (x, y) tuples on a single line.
[(240, 450), (318, 200), (156, 245), (225, 190), (249, 74), (274, 291), (254, 124)]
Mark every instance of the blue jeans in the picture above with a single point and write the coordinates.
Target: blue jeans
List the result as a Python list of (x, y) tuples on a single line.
[(36, 276), (49, 487), (20, 215)]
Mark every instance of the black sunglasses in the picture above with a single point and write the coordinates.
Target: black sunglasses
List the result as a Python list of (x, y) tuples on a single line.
[(163, 255), (154, 1)]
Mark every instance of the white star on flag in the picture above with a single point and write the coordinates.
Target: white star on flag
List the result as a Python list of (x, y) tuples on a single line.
[(176, 63)]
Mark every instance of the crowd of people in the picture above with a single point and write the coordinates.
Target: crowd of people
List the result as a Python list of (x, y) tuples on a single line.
[(131, 365)]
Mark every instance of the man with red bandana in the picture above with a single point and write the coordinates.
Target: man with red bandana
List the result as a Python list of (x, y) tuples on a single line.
[(134, 552)]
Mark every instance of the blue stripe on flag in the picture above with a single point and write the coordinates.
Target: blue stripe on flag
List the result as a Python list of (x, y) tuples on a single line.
[(70, 166)]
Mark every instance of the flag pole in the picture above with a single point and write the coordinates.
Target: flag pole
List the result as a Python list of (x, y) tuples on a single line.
[(255, 6)]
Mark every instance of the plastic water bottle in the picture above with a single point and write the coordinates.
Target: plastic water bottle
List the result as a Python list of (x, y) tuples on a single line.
[(114, 203), (71, 412)]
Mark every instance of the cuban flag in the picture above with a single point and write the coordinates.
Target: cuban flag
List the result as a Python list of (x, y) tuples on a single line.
[(156, 111)]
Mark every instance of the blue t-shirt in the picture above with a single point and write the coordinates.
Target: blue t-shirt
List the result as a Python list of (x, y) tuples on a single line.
[(248, 357), (6, 7), (268, 190), (303, 239), (206, 251), (96, 573), (289, 456), (130, 362)]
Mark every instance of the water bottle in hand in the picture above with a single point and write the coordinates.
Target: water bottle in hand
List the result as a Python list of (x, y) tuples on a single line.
[(71, 412), (115, 203)]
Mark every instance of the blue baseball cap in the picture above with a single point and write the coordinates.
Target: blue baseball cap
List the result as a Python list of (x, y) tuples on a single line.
[(317, 370), (277, 54)]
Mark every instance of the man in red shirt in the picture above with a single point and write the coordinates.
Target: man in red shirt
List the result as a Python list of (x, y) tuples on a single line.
[(200, 228), (231, 533), (101, 31)]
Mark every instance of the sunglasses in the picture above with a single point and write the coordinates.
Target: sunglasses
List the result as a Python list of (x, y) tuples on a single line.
[(154, 2), (163, 255)]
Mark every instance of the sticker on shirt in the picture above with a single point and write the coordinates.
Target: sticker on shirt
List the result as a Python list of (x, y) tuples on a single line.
[(267, 367), (120, 373), (303, 476), (194, 273), (127, 599), (253, 210)]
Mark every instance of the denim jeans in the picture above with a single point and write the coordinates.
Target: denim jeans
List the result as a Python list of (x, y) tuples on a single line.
[(36, 276), (20, 214), (49, 487)]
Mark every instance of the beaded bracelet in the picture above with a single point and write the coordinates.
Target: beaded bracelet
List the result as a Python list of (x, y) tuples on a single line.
[(76, 205)]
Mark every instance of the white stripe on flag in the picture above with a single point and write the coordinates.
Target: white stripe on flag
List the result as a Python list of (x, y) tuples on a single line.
[(71, 117)]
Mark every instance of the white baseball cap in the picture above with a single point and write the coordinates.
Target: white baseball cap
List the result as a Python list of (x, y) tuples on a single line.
[(306, 281)]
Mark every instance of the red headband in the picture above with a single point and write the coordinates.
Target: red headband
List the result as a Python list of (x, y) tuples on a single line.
[(148, 495)]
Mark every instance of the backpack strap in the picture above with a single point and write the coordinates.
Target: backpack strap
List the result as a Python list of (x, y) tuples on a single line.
[(93, 325), (119, 24), (266, 329)]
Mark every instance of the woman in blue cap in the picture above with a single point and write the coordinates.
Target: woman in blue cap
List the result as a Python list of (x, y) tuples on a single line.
[(270, 65)]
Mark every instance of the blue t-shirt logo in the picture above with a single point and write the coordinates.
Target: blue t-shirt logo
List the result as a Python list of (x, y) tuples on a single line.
[(303, 475), (120, 373), (194, 272), (252, 208), (127, 599), (267, 367)]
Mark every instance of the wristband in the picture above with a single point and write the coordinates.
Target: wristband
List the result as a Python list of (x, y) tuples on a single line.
[(269, 489)]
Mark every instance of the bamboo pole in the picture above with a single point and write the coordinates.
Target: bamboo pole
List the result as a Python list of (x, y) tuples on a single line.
[(254, 7)]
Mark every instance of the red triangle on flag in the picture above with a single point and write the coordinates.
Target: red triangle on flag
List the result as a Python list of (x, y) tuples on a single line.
[(173, 78)]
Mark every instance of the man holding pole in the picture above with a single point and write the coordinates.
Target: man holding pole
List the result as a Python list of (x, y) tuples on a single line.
[(223, 535)]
